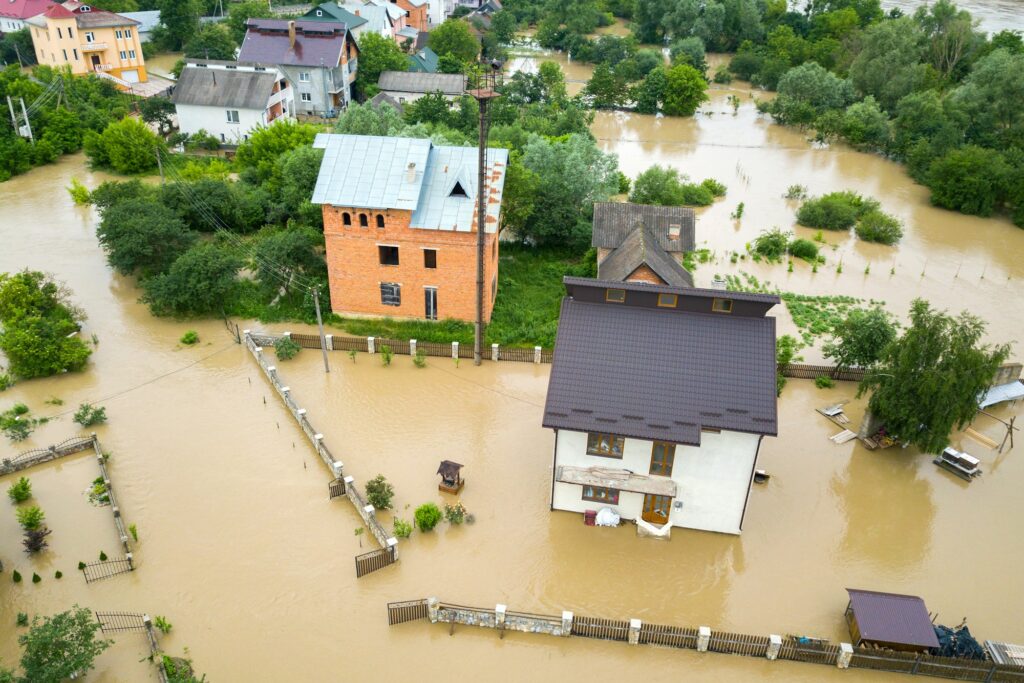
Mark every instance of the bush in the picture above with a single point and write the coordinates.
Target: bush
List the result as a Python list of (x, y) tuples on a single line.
[(189, 338), (35, 540), (16, 576), (379, 492), (58, 574), (455, 514), (286, 348), (196, 283), (402, 528), (722, 76), (22, 619), (36, 578), (714, 187), (162, 624), (420, 359), (88, 415), (834, 211), (771, 244), (127, 146), (804, 249), (20, 491), (385, 355), (103, 556), (134, 531), (427, 516), (824, 382), (876, 226), (79, 192), (796, 192), (30, 518)]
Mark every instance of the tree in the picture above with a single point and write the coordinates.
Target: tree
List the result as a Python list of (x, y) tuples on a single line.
[(127, 146), (685, 90), (928, 381), (865, 126), (158, 110), (519, 198), (605, 90), (240, 12), (140, 234), (806, 92), (196, 284), (286, 252), (503, 26), (454, 38), (377, 54), (888, 64), (16, 45), (364, 119), (650, 93), (970, 179), (179, 21), (379, 492), (258, 155), (666, 187), (690, 51), (860, 339), (990, 97), (551, 76), (950, 35), (60, 647), (298, 170), (212, 41)]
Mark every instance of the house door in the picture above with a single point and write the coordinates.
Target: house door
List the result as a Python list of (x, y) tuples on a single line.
[(656, 509), (430, 303), (95, 61)]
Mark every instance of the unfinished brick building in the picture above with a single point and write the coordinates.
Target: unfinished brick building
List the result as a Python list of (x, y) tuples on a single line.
[(400, 226)]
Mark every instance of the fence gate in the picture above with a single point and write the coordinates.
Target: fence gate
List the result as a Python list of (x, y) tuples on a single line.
[(94, 571), (410, 610), (120, 622), (336, 488), (372, 561)]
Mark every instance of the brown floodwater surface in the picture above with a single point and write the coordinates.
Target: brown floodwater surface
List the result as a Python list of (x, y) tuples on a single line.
[(241, 550)]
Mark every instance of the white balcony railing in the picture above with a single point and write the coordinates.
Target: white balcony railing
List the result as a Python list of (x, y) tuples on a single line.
[(94, 47), (102, 67)]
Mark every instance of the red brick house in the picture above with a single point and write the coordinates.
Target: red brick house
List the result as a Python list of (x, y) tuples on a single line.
[(400, 226)]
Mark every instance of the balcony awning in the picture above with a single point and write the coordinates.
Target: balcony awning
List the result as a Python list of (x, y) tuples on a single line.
[(611, 478)]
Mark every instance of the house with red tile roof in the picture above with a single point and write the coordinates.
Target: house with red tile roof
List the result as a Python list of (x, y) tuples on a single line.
[(13, 13)]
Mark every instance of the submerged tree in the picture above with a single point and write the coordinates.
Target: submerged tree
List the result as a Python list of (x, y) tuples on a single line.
[(928, 381), (861, 338), (60, 647)]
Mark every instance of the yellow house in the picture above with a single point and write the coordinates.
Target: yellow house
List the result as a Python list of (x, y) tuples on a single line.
[(89, 40)]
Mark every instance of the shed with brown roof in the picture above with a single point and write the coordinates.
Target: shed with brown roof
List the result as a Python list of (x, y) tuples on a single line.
[(890, 620)]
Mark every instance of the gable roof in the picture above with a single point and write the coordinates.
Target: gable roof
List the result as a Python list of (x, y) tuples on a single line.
[(641, 371), (424, 60), (224, 88), (148, 19), (614, 221), (376, 18), (330, 11), (377, 172), (892, 618), (418, 82), (23, 9), (641, 248), (317, 43), (383, 98)]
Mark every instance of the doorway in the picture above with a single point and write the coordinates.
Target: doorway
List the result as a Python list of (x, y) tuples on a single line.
[(95, 61), (656, 509), (430, 303)]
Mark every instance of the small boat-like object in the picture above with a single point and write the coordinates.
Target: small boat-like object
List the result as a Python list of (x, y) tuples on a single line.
[(959, 463)]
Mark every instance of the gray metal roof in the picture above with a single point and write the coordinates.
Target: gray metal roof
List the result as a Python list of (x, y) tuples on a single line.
[(419, 82), (383, 98), (613, 221), (147, 19), (892, 618), (641, 248), (658, 373), (375, 172), (224, 88)]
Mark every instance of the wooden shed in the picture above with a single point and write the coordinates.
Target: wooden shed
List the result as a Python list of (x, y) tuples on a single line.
[(889, 620)]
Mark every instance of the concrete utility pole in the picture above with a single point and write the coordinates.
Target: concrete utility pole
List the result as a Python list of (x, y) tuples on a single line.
[(28, 124), (14, 119), (160, 164), (320, 324)]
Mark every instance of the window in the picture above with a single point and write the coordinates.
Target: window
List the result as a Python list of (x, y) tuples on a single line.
[(230, 66), (615, 295), (362, 221), (75, 53), (606, 445), (430, 303), (90, 37), (259, 68), (127, 33), (131, 54), (673, 231), (662, 456), (599, 494), (307, 97), (458, 190), (118, 34), (124, 55), (391, 294), (667, 300), (319, 12), (70, 34), (430, 258), (65, 55), (721, 305), (232, 115), (346, 218), (304, 77), (59, 34), (388, 255), (380, 220)]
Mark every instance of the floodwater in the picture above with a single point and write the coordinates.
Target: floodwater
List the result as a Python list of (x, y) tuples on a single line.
[(240, 549), (992, 15)]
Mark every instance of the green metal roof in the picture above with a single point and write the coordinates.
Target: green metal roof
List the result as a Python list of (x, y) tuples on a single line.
[(331, 12)]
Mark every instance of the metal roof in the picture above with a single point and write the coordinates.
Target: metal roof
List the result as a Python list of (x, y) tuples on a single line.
[(614, 221), (375, 17), (641, 248), (224, 88), (317, 43), (376, 172), (330, 11), (425, 60), (148, 19), (414, 81), (892, 618), (658, 373)]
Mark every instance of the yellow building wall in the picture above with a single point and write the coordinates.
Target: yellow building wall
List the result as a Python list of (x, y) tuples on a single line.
[(59, 49)]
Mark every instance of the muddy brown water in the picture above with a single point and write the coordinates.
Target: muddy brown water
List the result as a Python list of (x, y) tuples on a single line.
[(241, 550)]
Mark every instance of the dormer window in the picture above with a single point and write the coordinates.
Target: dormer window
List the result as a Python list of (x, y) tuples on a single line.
[(721, 305), (85, 8), (319, 12), (458, 190), (616, 296)]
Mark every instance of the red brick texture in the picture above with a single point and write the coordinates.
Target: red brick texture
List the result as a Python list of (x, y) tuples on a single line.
[(355, 271), (645, 274)]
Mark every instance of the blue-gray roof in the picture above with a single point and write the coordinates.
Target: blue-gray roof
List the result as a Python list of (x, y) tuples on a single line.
[(147, 20), (374, 172)]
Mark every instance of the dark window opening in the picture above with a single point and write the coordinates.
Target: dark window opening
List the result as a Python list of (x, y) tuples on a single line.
[(391, 294), (615, 295), (599, 494), (606, 445), (388, 255), (363, 222), (458, 190), (346, 218), (430, 258), (380, 221)]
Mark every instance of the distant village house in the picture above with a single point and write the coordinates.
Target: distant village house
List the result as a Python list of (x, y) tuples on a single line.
[(409, 86), (14, 13)]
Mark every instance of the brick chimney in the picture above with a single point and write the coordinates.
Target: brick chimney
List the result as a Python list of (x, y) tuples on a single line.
[(291, 34)]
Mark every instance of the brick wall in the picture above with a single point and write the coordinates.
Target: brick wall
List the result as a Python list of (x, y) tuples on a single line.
[(645, 274), (355, 271)]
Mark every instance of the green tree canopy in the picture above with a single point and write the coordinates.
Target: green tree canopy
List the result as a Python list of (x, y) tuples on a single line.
[(666, 187), (60, 647), (293, 251), (377, 54), (258, 155), (454, 38), (685, 90), (604, 89), (240, 12), (806, 92), (991, 98), (159, 110), (139, 234), (196, 284), (211, 41), (127, 146), (888, 65), (179, 21), (927, 382), (364, 119), (860, 339), (970, 179)]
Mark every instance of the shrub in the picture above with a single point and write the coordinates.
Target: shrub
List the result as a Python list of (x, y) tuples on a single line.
[(796, 192), (103, 556), (36, 578), (824, 382), (420, 359), (58, 574), (714, 187), (79, 192), (88, 415), (133, 530), (876, 226), (6, 381), (834, 211), (35, 540), (722, 76), (81, 566), (22, 619), (20, 491), (16, 576), (379, 492), (771, 244), (385, 355), (286, 348), (162, 624), (624, 183), (455, 514), (30, 518), (427, 516), (804, 249), (189, 338), (402, 528)]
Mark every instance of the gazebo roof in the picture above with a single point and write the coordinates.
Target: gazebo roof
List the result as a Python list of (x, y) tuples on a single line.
[(892, 618), (449, 469)]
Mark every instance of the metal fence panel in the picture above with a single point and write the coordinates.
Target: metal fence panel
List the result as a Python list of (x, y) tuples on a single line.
[(120, 622), (372, 561), (336, 488), (867, 658), (816, 653), (307, 341), (349, 343), (738, 644), (671, 636), (95, 571), (607, 629), (409, 610)]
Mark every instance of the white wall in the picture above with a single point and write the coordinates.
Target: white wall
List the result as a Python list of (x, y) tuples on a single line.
[(192, 118), (712, 481), (9, 24), (404, 97)]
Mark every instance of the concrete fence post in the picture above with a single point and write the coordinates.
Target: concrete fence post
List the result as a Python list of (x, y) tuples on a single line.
[(845, 655), (330, 341), (369, 512), (392, 544), (287, 335), (455, 350), (301, 413), (499, 615), (246, 332), (432, 607), (350, 484), (774, 645), (536, 354), (131, 563), (634, 631), (566, 623), (494, 352), (285, 390), (703, 638), (338, 468), (259, 352), (272, 371), (371, 345), (412, 347)]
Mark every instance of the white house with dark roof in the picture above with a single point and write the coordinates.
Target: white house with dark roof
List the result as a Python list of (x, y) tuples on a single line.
[(659, 397)]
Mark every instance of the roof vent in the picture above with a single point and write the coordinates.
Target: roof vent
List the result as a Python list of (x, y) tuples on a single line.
[(410, 172), (85, 8)]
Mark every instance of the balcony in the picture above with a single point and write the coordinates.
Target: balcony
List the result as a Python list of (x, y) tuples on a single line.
[(611, 478), (94, 47)]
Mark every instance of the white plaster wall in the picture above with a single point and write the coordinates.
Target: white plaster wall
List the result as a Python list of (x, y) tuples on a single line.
[(214, 121), (405, 97)]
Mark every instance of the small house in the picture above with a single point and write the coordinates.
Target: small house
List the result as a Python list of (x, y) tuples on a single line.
[(642, 242), (409, 86), (424, 60), (13, 13), (890, 620)]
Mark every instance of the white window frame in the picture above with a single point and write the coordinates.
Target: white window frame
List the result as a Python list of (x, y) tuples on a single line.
[(90, 37), (306, 97), (232, 115), (304, 77), (131, 54), (124, 55)]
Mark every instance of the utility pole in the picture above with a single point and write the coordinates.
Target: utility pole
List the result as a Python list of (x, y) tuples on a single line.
[(159, 164), (18, 53), (14, 119), (28, 124), (320, 324)]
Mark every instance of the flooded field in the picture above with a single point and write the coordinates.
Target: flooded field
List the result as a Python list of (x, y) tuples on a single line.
[(241, 550), (992, 15)]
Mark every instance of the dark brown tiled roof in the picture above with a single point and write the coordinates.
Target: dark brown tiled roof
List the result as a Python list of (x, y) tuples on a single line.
[(613, 221), (317, 43), (661, 374), (892, 618), (641, 248)]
